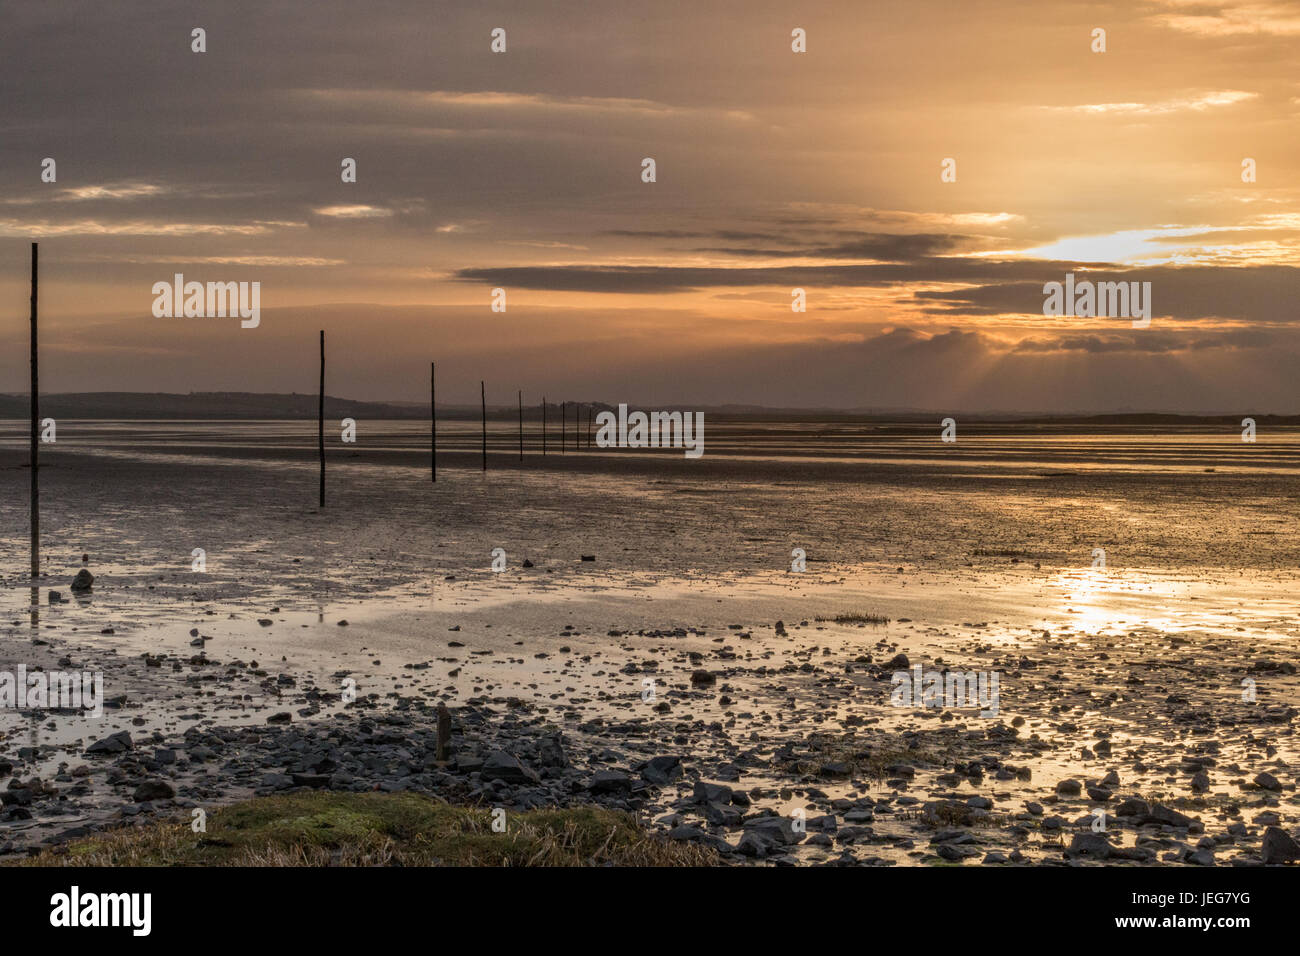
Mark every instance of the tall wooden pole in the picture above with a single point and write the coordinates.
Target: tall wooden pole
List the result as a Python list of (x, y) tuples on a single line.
[(521, 425), (320, 419), (543, 426), (563, 411), (482, 391), (36, 441), (433, 420)]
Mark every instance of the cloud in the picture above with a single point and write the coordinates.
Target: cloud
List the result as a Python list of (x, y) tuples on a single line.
[(353, 212), (1199, 103), (1231, 17), (37, 229)]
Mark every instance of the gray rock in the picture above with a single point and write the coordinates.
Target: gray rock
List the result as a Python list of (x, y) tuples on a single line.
[(1266, 781), (610, 781), (661, 771), (153, 790), (83, 581), (1091, 846), (711, 792), (113, 744), (1279, 847), (1133, 807), (1163, 814), (500, 765), (778, 829)]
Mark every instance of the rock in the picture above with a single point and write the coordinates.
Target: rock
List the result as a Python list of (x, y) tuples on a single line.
[(719, 814), (703, 678), (692, 833), (1091, 846), (610, 781), (711, 793), (1138, 854), (1266, 781), (1069, 788), (898, 662), (755, 844), (953, 853), (661, 771), (153, 790), (468, 763), (1279, 847), (113, 744), (1162, 814), (83, 581), (1099, 794), (778, 829), (500, 765), (283, 717), (1133, 807)]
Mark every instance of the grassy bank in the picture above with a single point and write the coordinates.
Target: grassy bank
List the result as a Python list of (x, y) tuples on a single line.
[(379, 829)]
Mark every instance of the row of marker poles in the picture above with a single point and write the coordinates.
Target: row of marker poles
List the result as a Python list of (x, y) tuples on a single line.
[(320, 422), (433, 422)]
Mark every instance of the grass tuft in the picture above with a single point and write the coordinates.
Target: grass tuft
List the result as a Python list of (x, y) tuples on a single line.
[(380, 829)]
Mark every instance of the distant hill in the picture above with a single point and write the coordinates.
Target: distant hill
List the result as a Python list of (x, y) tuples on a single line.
[(130, 406), (201, 405)]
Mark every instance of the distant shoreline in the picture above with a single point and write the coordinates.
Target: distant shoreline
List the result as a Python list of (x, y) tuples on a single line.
[(254, 406)]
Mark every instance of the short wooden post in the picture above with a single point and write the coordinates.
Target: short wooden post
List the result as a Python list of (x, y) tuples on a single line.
[(444, 731)]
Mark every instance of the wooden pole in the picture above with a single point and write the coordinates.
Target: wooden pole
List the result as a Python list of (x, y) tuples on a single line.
[(543, 426), (320, 419), (521, 425), (563, 411), (482, 391), (36, 440), (433, 420)]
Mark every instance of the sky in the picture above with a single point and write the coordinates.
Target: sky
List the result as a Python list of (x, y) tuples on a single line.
[(774, 170)]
